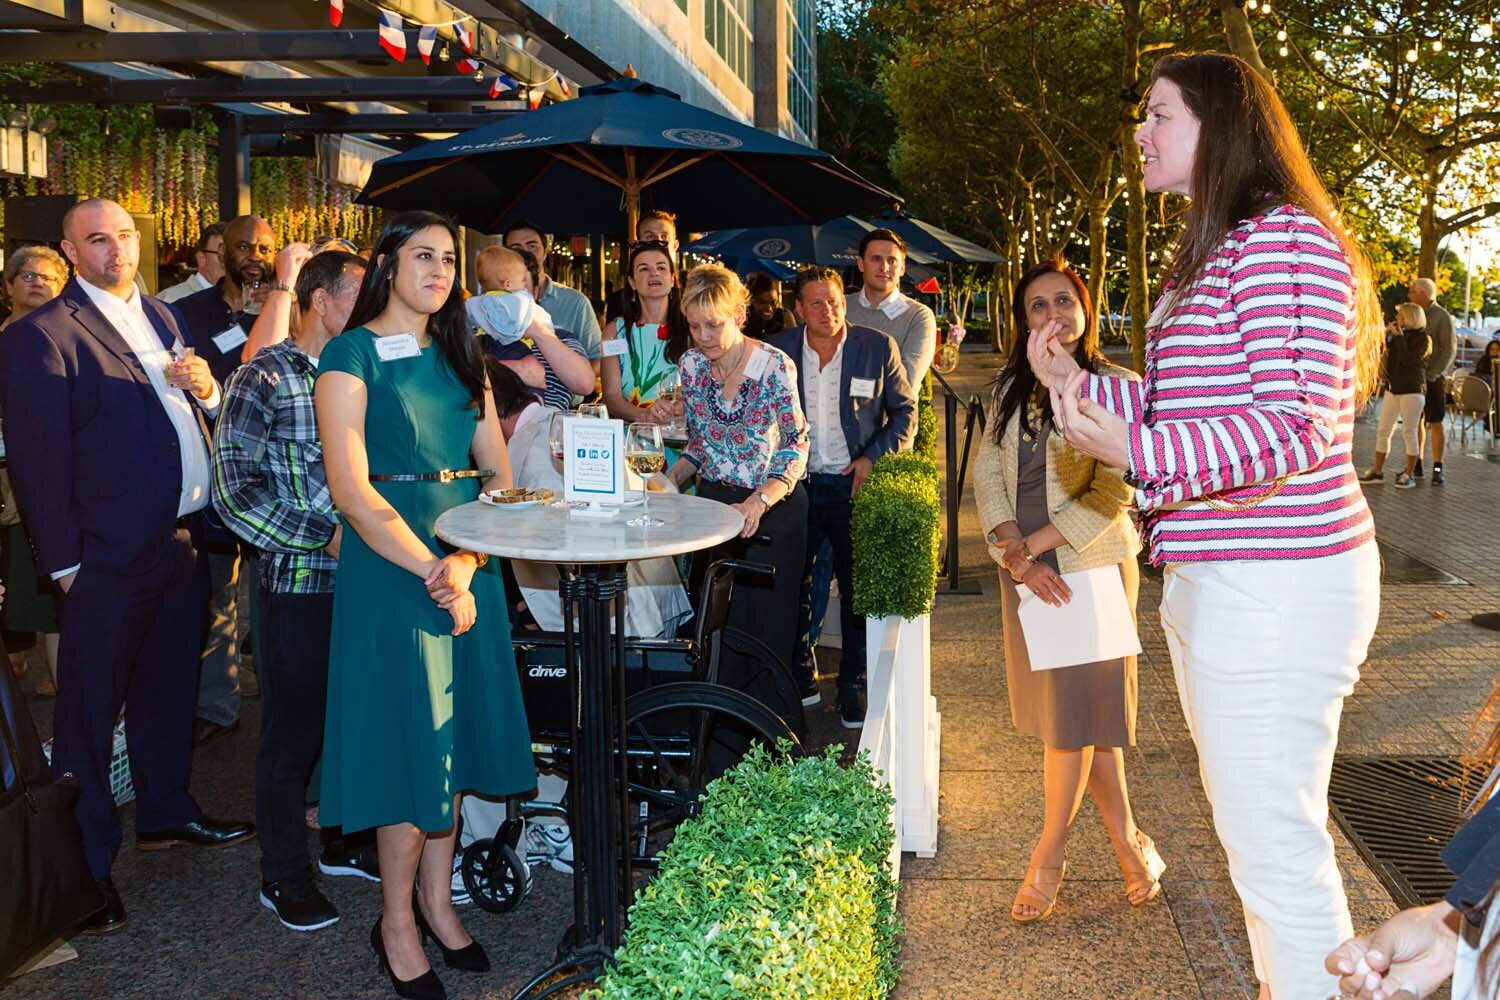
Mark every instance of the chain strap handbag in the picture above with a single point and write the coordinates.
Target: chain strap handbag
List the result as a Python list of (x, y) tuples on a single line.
[(47, 889)]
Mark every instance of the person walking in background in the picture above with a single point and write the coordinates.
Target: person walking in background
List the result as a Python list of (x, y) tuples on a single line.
[(1047, 510), (880, 304), (208, 258), (270, 489), (423, 698), (1247, 488), (1407, 348), (1423, 292), (33, 277), (647, 342), (748, 447), (110, 463), (859, 409)]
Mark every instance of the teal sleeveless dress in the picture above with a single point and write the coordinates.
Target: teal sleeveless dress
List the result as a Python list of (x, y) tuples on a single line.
[(415, 715)]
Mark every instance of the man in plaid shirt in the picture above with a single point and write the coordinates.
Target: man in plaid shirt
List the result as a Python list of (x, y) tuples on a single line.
[(270, 489)]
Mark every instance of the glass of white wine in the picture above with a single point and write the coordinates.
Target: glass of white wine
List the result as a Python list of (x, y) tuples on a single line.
[(645, 456), (669, 394)]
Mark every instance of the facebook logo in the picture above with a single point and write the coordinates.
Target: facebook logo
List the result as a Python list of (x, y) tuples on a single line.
[(582, 453)]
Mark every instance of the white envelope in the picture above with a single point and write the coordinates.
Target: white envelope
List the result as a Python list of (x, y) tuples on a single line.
[(1096, 624)]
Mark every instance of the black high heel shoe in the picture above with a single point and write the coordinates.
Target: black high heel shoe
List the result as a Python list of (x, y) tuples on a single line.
[(470, 958), (427, 986)]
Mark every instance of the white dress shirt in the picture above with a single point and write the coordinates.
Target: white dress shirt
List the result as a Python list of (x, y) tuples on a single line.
[(828, 450), (128, 317), (893, 305), (195, 282)]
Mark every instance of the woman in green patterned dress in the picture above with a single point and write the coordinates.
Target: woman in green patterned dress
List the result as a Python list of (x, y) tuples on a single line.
[(643, 345), (423, 699)]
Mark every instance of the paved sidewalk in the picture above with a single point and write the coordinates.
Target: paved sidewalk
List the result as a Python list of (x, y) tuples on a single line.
[(1428, 672)]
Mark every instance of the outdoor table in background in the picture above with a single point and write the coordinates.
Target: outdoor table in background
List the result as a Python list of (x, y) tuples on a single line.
[(591, 554)]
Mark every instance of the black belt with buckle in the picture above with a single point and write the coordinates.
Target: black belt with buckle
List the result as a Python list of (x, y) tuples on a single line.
[(445, 476)]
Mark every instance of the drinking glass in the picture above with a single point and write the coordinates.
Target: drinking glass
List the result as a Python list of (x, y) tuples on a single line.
[(645, 456), (180, 352), (555, 434), (669, 394), (596, 410), (252, 304)]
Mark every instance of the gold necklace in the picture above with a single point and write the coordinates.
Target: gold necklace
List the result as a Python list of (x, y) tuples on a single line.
[(730, 374)]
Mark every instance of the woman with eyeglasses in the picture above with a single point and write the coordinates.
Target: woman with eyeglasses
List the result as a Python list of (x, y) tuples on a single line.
[(33, 277)]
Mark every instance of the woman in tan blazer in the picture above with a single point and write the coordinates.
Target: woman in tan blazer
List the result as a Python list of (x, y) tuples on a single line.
[(1049, 510)]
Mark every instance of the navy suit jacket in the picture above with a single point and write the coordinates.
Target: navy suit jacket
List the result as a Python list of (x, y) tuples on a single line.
[(876, 425), (94, 458)]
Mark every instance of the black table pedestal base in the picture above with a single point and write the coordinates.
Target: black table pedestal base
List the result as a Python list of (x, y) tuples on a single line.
[(598, 789)]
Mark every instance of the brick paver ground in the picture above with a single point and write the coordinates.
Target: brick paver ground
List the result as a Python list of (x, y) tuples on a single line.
[(1428, 672)]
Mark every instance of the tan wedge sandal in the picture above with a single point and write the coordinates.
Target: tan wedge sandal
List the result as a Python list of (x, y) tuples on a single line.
[(1038, 892), (1141, 887)]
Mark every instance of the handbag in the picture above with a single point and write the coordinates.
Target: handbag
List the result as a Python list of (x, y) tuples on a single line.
[(48, 888)]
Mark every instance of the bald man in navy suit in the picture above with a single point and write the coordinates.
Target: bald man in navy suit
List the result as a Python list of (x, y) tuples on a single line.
[(109, 462)]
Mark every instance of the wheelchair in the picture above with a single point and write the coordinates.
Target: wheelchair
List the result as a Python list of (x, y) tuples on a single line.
[(693, 707)]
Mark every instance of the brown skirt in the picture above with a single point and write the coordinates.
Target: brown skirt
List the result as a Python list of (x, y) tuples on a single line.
[(1091, 704)]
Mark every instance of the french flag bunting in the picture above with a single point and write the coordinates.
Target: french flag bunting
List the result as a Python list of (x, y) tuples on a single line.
[(335, 12), (392, 35), (496, 87), (426, 39), (534, 97), (561, 82), (465, 37), (466, 66)]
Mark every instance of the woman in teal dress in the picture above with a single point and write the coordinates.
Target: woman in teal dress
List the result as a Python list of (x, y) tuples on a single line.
[(423, 699)]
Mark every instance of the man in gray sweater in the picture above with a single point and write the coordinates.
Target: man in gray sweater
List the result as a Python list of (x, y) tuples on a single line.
[(880, 305), (1423, 291)]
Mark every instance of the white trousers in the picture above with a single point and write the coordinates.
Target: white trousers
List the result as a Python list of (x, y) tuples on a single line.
[(1407, 406), (1264, 654)]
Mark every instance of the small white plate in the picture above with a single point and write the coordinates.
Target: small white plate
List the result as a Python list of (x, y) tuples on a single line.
[(486, 498)]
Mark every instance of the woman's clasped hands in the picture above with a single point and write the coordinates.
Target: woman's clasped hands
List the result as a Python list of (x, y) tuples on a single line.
[(448, 585), (1038, 577)]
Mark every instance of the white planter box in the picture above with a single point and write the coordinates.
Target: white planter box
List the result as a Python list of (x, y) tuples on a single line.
[(903, 728)]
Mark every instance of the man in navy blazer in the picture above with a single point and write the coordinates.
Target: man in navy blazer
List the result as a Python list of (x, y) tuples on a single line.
[(109, 462), (859, 407)]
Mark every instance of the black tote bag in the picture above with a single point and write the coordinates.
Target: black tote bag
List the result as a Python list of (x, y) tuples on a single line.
[(46, 888)]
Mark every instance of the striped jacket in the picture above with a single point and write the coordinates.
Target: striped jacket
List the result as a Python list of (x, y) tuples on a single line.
[(1250, 380)]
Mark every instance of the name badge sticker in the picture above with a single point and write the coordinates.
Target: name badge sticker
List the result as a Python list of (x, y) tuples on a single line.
[(397, 347), (756, 367), (862, 388), (230, 339), (616, 348)]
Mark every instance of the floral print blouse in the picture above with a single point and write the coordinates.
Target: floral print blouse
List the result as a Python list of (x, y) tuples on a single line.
[(761, 434)]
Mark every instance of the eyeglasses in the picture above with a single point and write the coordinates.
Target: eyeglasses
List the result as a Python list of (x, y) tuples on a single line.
[(264, 249), (38, 278)]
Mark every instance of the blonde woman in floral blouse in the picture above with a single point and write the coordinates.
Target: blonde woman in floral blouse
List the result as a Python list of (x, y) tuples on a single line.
[(747, 446)]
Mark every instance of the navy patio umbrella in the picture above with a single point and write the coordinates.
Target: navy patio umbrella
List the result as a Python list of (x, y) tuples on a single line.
[(593, 163), (933, 241), (833, 244)]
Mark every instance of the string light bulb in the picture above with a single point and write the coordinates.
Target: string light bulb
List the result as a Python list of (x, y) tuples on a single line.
[(1437, 46), (1321, 105), (1347, 30), (1412, 55), (1281, 35), (1282, 50), (443, 54), (1486, 30), (1251, 4)]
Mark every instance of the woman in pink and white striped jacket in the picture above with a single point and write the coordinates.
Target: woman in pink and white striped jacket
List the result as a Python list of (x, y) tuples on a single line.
[(1238, 443)]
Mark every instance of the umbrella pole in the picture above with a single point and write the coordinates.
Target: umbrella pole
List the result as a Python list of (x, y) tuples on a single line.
[(632, 189)]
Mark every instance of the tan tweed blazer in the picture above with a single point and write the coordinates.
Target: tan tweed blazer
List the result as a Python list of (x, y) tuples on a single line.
[(1088, 500)]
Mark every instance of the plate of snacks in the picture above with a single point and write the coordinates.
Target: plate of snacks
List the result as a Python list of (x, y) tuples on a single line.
[(518, 496)]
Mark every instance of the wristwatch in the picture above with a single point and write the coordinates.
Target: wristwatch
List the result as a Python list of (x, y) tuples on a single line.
[(761, 494), (480, 558), (279, 286)]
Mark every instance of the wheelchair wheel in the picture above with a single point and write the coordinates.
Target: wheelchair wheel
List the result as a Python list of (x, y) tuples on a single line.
[(495, 875), (681, 737)]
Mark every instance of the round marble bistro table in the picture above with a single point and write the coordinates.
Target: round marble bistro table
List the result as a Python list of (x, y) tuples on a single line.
[(591, 554)]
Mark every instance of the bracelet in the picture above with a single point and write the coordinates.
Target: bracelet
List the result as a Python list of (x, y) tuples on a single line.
[(480, 558), (1026, 551), (277, 286)]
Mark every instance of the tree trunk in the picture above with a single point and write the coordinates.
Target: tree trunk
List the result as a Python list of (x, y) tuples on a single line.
[(1138, 294), (1098, 252), (1240, 37), (1430, 231)]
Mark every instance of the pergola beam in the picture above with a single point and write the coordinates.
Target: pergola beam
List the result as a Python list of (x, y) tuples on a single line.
[(190, 46), (340, 123), (218, 90)]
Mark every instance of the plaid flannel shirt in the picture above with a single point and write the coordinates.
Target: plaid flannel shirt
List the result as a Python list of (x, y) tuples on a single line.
[(268, 479)]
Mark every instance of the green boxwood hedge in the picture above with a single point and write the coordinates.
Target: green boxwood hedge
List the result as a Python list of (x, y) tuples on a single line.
[(896, 533), (780, 890)]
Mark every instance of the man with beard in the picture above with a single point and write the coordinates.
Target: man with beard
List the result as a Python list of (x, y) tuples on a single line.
[(109, 461), (219, 319)]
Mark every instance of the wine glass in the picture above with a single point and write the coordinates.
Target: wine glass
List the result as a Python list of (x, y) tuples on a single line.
[(645, 456), (555, 434), (669, 394), (596, 410)]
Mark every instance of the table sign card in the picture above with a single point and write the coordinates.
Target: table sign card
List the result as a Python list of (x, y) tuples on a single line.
[(594, 464)]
